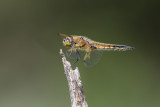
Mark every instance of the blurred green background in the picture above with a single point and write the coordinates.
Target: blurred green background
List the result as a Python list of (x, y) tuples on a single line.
[(31, 71)]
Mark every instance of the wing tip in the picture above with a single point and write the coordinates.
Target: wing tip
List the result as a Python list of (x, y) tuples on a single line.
[(129, 48)]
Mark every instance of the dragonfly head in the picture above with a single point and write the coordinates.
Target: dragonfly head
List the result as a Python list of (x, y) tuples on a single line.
[(67, 41)]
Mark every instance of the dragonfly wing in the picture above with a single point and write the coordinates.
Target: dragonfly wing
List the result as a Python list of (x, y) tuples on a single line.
[(95, 57), (73, 55)]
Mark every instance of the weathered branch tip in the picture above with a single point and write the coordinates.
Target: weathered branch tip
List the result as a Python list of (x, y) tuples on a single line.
[(61, 52), (74, 83)]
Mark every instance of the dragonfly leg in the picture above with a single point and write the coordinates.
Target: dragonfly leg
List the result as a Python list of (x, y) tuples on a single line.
[(78, 57), (87, 55), (69, 52)]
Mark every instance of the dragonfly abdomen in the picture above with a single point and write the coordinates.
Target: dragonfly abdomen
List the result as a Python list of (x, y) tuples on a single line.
[(104, 46), (122, 47)]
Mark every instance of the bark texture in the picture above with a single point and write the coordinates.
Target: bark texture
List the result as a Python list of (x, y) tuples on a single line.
[(74, 83)]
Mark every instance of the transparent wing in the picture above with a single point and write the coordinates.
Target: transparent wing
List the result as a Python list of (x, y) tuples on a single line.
[(72, 55), (95, 57)]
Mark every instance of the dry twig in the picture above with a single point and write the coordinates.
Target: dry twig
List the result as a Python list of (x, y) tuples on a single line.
[(74, 82)]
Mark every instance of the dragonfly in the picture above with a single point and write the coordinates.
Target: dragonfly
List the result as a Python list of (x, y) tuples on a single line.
[(92, 50)]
